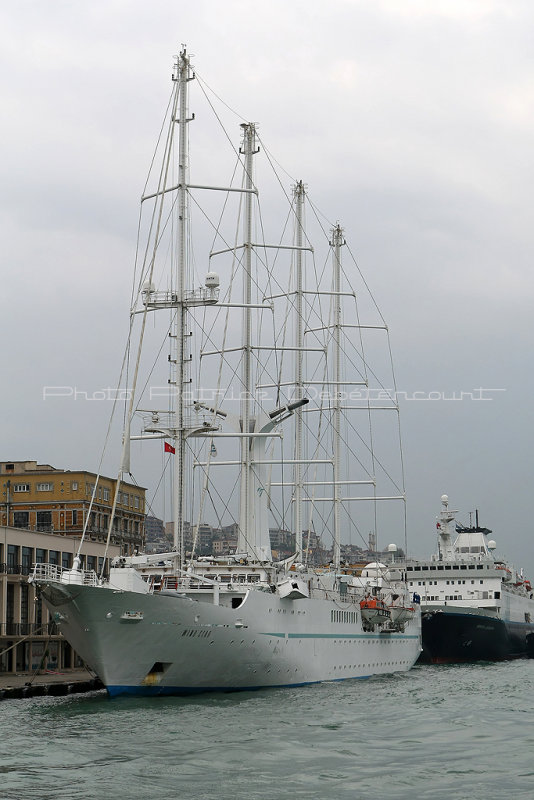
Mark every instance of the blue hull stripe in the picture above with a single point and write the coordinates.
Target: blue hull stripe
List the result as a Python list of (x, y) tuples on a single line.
[(154, 691)]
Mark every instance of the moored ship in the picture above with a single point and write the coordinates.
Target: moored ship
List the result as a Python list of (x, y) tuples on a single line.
[(474, 606), (177, 622)]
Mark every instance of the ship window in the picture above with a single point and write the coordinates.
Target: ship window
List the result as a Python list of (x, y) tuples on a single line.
[(448, 566), (481, 581), (440, 566), (497, 595), (463, 566), (236, 602), (471, 566), (480, 566)]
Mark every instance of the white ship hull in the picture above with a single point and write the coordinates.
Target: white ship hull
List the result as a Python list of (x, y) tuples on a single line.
[(164, 644)]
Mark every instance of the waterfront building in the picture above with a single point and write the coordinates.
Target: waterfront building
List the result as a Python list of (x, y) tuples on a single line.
[(154, 530), (29, 638), (39, 497)]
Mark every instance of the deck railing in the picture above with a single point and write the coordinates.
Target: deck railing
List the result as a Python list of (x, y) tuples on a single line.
[(53, 572)]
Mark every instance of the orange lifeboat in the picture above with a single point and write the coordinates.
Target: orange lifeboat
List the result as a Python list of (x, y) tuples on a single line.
[(374, 611)]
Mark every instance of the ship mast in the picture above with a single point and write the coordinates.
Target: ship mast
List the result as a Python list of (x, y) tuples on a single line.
[(337, 242), (246, 517), (183, 76), (299, 194), (445, 545)]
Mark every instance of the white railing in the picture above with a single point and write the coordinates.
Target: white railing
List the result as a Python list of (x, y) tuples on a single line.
[(57, 574)]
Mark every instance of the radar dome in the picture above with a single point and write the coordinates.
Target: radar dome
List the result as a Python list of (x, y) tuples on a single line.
[(444, 498), (212, 280), (492, 544), (392, 548), (373, 570)]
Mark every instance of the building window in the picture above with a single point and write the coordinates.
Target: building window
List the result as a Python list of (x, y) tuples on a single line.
[(74, 486), (136, 502), (10, 609), (21, 487), (12, 558), (40, 555), (66, 560), (91, 563), (53, 557), (24, 604), (106, 495), (39, 610), (74, 517), (45, 487), (44, 520), (21, 519), (27, 559)]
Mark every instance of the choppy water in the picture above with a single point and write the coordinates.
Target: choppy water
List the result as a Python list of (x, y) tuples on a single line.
[(442, 733)]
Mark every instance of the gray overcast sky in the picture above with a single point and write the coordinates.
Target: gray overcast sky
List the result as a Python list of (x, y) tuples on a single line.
[(413, 122)]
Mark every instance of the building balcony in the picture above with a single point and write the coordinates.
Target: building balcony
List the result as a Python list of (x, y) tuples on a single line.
[(28, 628)]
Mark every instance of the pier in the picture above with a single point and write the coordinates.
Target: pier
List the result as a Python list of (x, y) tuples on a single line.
[(52, 684)]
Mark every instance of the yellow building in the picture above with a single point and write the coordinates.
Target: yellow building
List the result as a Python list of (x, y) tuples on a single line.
[(38, 497)]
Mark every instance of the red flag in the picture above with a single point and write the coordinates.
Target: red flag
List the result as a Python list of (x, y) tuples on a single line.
[(169, 448)]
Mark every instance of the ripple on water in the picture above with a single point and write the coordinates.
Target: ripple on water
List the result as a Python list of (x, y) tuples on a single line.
[(436, 733)]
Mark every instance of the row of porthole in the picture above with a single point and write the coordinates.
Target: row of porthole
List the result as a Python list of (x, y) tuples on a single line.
[(377, 664), (367, 641), (283, 611), (232, 641)]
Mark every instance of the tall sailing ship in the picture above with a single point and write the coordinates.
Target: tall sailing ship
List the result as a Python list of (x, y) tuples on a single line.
[(280, 341)]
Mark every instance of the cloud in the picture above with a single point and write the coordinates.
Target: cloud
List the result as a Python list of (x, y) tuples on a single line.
[(410, 121)]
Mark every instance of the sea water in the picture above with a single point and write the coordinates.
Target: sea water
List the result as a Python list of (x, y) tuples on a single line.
[(438, 732)]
